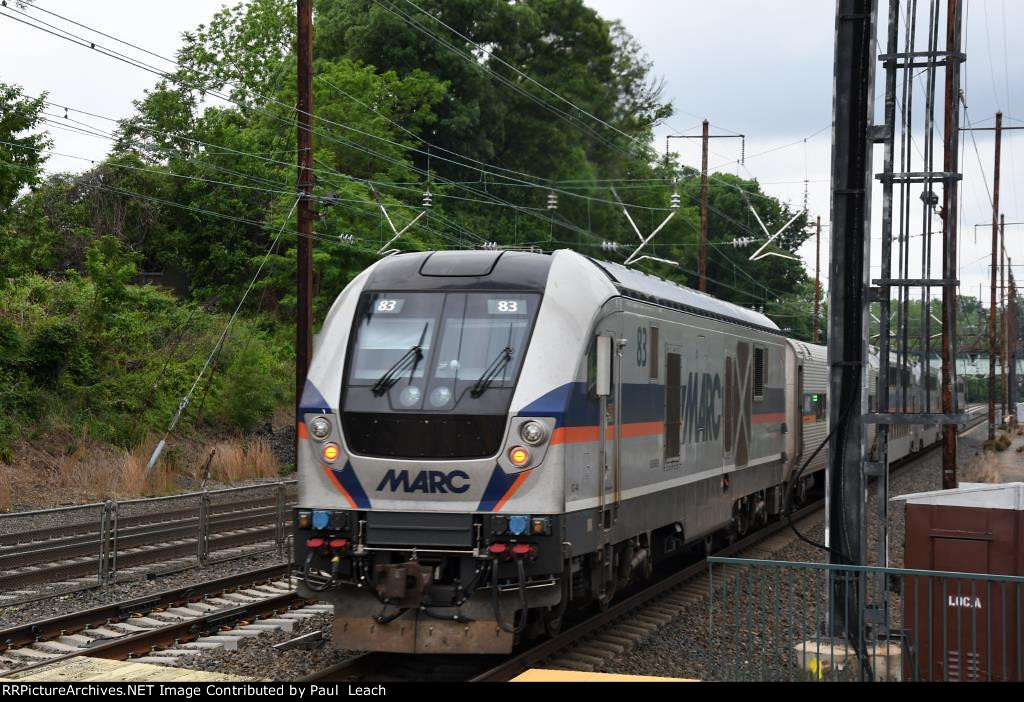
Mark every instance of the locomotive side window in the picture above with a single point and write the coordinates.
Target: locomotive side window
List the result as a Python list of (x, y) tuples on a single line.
[(655, 353), (815, 407), (592, 354), (673, 404), (592, 368), (759, 360)]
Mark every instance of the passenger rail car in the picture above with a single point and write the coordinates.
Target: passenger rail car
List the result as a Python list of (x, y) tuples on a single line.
[(488, 438), (908, 393)]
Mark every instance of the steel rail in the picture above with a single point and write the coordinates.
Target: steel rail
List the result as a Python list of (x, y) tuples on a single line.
[(43, 629), (31, 539), (143, 642), (137, 557), (132, 537)]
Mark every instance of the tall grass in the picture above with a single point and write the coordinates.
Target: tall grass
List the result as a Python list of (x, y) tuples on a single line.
[(6, 494), (234, 462), (89, 471), (115, 473)]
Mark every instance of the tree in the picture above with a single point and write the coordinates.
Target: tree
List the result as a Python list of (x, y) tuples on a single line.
[(492, 113), (111, 269), (21, 160), (21, 155)]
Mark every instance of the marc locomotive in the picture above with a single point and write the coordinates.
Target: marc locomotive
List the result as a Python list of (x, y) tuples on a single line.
[(489, 438)]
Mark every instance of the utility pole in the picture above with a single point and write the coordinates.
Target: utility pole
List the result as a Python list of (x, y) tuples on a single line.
[(702, 267), (1012, 333), (992, 301), (1003, 341), (304, 245), (849, 281), (817, 281), (950, 164)]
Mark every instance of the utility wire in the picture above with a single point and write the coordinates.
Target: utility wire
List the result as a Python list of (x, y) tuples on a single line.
[(82, 42), (100, 134), (216, 348), (177, 79)]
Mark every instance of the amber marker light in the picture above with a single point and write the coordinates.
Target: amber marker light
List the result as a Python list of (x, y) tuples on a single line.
[(519, 456), (330, 452)]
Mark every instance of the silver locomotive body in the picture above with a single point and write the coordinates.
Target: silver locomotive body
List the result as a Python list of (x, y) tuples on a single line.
[(489, 438)]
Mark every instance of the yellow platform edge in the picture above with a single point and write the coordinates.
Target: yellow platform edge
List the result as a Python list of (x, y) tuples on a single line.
[(86, 669), (546, 675)]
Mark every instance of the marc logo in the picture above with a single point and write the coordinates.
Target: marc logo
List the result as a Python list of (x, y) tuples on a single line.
[(426, 481), (701, 408)]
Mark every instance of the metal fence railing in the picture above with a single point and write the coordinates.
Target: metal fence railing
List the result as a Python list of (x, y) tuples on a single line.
[(787, 621), (115, 531)]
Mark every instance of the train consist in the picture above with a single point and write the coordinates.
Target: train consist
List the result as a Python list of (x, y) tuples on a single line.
[(488, 439)]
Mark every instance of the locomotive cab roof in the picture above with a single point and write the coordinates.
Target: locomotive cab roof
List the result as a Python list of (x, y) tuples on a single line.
[(522, 270)]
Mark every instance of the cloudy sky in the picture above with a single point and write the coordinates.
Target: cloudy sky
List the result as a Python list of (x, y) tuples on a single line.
[(760, 68)]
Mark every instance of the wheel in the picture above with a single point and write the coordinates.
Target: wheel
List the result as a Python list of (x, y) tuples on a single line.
[(552, 621), (760, 512), (741, 520), (553, 618), (801, 492)]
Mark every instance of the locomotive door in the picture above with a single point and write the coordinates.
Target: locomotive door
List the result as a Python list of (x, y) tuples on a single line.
[(798, 423), (609, 347), (609, 391)]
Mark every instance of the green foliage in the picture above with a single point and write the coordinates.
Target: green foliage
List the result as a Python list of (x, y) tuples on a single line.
[(412, 105), (53, 347), (111, 270), (794, 313), (196, 189), (20, 155), (114, 379), (243, 398)]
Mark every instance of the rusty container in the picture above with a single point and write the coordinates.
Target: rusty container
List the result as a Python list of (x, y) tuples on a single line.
[(965, 628)]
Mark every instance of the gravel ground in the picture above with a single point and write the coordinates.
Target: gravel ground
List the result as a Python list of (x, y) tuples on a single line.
[(257, 658), (76, 601), (755, 638)]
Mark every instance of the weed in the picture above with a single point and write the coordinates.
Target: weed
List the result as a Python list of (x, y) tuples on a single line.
[(235, 462)]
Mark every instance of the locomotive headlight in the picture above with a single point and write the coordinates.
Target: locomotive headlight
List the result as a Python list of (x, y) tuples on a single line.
[(533, 433), (519, 456), (330, 453), (320, 428)]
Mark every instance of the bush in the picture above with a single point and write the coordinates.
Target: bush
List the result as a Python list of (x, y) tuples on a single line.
[(55, 346), (116, 370)]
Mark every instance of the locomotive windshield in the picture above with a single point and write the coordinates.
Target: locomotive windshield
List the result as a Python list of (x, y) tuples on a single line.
[(439, 352), (431, 374)]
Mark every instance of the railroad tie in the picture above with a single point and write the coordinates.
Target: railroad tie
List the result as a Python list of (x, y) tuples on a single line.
[(568, 664), (606, 646), (228, 643)]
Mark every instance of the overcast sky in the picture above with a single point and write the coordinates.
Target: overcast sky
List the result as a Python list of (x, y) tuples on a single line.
[(760, 68)]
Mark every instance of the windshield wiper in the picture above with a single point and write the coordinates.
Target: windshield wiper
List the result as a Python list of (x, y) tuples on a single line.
[(390, 377), (497, 365)]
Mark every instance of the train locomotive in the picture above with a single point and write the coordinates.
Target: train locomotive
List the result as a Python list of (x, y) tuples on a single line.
[(488, 439)]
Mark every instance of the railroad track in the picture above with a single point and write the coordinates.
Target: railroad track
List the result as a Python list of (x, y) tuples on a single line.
[(595, 642), (166, 628), (176, 625), (63, 534), (648, 609), (69, 553)]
